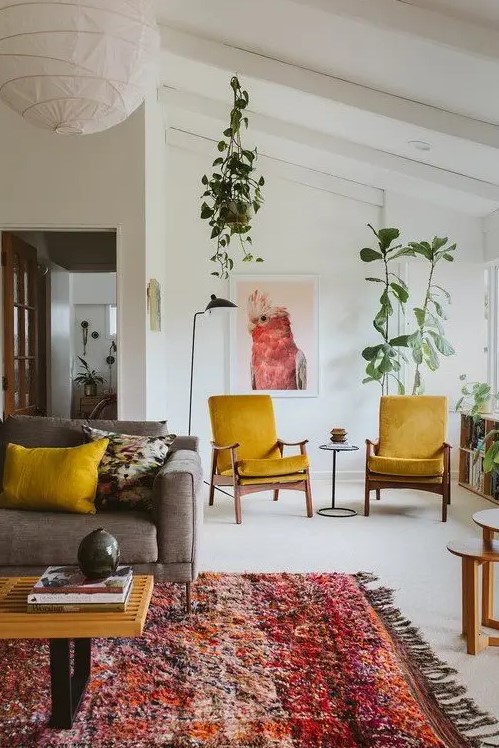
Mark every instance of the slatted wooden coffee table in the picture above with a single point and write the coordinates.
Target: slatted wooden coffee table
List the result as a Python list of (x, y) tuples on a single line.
[(68, 688)]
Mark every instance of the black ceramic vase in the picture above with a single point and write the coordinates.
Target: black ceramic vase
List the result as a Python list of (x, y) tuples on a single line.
[(98, 554)]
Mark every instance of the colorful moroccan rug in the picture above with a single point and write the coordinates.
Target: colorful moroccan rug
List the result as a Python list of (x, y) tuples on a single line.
[(265, 661)]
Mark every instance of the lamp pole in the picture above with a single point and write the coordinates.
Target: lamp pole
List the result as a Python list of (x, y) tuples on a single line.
[(214, 303), (192, 367)]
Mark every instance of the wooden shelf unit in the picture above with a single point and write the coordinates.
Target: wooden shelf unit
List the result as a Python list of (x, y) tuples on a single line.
[(483, 483)]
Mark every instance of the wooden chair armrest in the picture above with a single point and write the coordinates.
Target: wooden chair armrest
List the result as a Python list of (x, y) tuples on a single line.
[(446, 445), (281, 444), (371, 447), (219, 447)]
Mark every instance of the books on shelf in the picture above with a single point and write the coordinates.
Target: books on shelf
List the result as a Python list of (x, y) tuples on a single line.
[(67, 586)]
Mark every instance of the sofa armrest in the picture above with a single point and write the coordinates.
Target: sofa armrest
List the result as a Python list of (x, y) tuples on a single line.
[(178, 508), (185, 442)]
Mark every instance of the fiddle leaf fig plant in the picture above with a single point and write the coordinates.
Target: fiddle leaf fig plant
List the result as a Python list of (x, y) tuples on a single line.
[(428, 343), (232, 194), (384, 358)]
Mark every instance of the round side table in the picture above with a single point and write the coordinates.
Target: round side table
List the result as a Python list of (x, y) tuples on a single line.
[(488, 520), (333, 510)]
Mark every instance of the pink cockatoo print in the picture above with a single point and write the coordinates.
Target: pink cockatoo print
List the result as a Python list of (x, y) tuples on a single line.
[(276, 361)]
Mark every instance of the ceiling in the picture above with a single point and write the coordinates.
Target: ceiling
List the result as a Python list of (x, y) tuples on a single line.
[(347, 84)]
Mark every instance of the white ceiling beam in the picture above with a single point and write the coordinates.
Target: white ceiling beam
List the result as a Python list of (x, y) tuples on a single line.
[(254, 65), (285, 170), (403, 17), (345, 149)]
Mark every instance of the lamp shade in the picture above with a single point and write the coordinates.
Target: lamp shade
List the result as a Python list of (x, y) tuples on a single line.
[(76, 66), (217, 303)]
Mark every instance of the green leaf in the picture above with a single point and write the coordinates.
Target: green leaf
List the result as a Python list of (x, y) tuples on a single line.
[(490, 457), (222, 145), (399, 292), (430, 355), (445, 293), (206, 211), (439, 242), (387, 236), (417, 353), (400, 341), (259, 259), (370, 255), (371, 352), (228, 132), (261, 181), (385, 365), (405, 252), (422, 248), (385, 302), (420, 315), (438, 308), (204, 179), (448, 257), (375, 280), (441, 344)]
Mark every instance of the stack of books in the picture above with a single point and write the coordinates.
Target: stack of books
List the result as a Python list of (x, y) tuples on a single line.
[(64, 589)]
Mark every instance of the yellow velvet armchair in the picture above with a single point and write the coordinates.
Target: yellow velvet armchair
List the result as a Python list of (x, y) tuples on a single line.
[(411, 451), (247, 453)]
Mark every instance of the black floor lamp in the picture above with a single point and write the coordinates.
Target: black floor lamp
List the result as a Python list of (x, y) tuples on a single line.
[(214, 303)]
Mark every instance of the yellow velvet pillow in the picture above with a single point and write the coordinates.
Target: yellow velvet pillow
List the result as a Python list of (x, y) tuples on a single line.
[(51, 478)]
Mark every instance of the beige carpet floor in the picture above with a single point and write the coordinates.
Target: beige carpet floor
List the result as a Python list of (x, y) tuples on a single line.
[(403, 542)]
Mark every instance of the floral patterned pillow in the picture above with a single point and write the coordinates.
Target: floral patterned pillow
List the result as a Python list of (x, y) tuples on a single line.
[(128, 468)]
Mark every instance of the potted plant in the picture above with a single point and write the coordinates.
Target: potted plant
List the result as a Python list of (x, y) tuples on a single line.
[(475, 398), (89, 378), (233, 190)]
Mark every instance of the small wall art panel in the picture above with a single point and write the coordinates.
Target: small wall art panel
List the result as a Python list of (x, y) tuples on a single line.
[(274, 335)]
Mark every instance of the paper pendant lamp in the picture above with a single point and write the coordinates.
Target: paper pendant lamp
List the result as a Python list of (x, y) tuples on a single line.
[(76, 66)]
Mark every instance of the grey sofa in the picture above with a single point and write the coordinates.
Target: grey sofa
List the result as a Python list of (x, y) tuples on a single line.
[(164, 543)]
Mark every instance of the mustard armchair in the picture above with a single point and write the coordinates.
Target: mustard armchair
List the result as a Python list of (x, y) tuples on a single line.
[(411, 451), (247, 454)]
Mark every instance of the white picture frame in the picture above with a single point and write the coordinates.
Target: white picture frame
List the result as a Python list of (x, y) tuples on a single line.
[(293, 301)]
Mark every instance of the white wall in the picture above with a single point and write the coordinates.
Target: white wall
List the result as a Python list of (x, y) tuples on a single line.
[(51, 181), (94, 288), (304, 230), (60, 342), (160, 257)]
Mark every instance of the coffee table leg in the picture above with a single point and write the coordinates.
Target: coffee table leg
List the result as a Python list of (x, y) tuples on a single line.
[(487, 583), (68, 688)]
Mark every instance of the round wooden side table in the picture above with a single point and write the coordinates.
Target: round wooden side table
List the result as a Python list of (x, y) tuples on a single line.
[(488, 520), (333, 510)]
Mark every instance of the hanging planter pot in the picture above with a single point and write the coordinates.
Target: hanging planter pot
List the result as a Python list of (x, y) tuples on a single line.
[(238, 213)]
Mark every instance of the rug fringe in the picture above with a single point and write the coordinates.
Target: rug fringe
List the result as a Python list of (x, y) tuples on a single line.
[(465, 714)]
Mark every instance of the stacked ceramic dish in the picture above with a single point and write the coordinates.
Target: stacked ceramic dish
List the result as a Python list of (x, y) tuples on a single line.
[(338, 435)]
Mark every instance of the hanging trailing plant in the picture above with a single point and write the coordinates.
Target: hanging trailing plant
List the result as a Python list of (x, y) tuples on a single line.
[(384, 358), (428, 342), (233, 191)]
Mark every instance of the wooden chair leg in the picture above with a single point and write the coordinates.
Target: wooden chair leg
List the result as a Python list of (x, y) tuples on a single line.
[(366, 499), (276, 494), (212, 495), (378, 494), (445, 502), (237, 504), (213, 469), (188, 597), (308, 497)]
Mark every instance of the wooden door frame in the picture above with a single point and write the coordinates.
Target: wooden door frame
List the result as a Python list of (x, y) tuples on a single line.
[(82, 228)]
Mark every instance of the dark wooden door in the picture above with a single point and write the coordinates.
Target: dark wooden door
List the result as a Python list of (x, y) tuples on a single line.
[(20, 327)]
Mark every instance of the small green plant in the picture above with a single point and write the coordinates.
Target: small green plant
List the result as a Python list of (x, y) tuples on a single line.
[(428, 342), (384, 358), (475, 398), (233, 189), (86, 375)]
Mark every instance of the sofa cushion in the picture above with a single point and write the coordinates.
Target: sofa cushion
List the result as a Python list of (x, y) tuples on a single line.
[(406, 466), (58, 479), (46, 538), (40, 431), (273, 467), (128, 468)]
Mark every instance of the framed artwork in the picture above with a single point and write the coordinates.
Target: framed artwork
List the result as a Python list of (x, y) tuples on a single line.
[(275, 335), (154, 304)]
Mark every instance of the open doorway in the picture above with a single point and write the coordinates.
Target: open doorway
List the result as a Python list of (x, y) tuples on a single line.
[(59, 321)]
